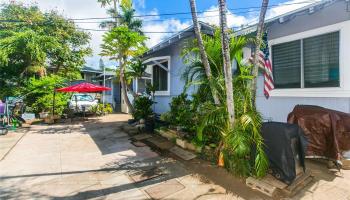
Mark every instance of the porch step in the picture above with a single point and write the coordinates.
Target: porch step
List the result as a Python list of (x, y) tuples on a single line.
[(160, 142)]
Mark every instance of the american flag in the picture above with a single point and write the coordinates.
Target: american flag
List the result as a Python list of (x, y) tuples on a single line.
[(264, 62)]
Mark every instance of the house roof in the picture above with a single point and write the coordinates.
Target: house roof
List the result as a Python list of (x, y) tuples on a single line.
[(90, 69), (107, 73), (311, 8), (206, 28)]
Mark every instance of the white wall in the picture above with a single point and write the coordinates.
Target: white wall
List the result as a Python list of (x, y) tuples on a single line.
[(282, 101)]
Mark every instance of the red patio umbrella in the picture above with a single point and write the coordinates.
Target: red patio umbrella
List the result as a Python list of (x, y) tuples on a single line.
[(84, 87), (80, 87)]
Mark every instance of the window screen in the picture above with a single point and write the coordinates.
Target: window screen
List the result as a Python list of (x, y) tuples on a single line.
[(321, 60), (160, 77), (286, 61)]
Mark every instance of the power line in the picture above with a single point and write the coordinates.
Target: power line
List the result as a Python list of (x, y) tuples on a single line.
[(198, 12), (81, 20)]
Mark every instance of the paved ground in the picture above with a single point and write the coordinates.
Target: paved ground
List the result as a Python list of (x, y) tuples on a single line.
[(8, 141), (95, 160)]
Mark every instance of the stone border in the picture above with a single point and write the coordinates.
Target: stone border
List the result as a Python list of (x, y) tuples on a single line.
[(173, 135)]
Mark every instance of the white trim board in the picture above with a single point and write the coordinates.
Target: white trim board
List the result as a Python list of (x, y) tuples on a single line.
[(344, 63), (168, 58)]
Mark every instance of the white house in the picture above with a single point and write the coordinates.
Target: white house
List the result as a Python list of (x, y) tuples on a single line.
[(309, 51)]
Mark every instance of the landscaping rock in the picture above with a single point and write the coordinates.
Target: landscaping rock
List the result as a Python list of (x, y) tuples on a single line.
[(181, 143), (169, 134), (161, 143), (130, 129), (185, 155)]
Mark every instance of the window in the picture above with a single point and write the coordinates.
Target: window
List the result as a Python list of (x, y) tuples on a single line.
[(286, 61), (108, 84), (307, 63), (83, 97), (142, 84), (160, 76)]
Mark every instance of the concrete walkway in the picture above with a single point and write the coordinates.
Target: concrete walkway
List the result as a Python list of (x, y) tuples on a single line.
[(95, 160), (8, 141)]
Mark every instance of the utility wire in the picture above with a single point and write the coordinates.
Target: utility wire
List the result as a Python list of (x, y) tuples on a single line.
[(198, 12), (80, 20)]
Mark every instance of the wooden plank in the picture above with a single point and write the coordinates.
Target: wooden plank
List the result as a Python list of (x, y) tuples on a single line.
[(261, 186), (271, 186), (269, 179)]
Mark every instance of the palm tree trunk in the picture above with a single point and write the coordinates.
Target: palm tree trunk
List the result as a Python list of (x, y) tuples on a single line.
[(227, 61), (123, 84), (259, 32), (115, 12), (204, 56)]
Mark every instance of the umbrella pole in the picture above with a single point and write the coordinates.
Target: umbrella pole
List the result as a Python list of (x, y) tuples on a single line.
[(53, 103), (76, 102)]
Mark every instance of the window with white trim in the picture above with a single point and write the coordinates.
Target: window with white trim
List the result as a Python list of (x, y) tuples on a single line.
[(160, 75), (307, 63)]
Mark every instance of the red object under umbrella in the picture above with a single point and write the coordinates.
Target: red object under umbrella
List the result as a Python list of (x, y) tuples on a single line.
[(84, 87)]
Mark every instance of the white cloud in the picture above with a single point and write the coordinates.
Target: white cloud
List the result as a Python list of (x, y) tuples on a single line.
[(211, 16), (288, 6), (154, 24), (91, 8)]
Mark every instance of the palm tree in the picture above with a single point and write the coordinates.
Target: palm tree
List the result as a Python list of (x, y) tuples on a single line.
[(227, 61), (126, 19), (203, 54), (134, 70), (212, 120), (259, 33), (113, 12)]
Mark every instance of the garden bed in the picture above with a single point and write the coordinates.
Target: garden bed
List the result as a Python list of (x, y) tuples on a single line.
[(177, 138)]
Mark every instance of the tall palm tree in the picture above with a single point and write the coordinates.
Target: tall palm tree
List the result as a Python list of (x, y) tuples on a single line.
[(227, 61), (114, 11), (259, 33), (125, 18), (204, 56)]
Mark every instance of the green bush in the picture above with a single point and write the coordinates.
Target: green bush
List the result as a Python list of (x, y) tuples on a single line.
[(41, 93), (108, 108), (100, 110), (142, 108), (181, 113)]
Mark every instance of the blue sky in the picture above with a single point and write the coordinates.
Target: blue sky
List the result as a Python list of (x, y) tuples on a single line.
[(239, 15)]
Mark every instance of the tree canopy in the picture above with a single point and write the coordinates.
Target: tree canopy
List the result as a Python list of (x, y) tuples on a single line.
[(31, 42)]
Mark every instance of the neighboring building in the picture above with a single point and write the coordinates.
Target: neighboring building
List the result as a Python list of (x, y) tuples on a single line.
[(310, 54), (95, 76)]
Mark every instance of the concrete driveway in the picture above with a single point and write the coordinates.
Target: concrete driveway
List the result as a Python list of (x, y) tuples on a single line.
[(95, 160)]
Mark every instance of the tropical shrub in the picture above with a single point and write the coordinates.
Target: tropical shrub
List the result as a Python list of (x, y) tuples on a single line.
[(142, 108), (99, 109), (108, 108), (235, 143), (40, 94), (181, 113)]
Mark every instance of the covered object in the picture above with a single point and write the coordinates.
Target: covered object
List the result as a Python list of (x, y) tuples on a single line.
[(327, 131), (285, 146)]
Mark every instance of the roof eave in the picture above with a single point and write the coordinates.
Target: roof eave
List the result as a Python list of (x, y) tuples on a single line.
[(252, 28)]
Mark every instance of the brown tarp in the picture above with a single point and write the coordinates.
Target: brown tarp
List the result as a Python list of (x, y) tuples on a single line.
[(327, 131)]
